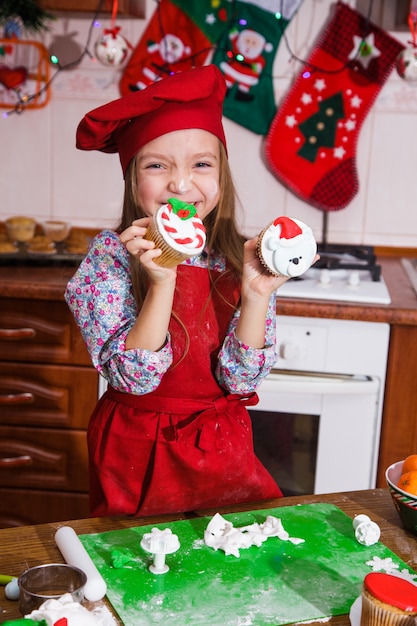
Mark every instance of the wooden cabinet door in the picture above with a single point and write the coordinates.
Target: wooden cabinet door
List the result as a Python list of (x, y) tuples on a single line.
[(43, 458), (47, 396), (399, 418), (22, 507), (40, 331)]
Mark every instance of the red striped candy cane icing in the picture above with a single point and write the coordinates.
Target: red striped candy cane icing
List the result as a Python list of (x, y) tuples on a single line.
[(189, 233), (392, 590)]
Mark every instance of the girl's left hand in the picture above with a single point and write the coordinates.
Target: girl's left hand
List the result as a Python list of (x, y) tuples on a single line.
[(256, 280)]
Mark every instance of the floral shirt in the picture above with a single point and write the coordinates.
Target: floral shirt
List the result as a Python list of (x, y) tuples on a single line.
[(100, 297)]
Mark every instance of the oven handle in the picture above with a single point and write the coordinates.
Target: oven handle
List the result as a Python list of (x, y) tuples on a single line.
[(318, 384)]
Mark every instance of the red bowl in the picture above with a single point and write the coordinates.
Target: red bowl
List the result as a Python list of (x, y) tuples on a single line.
[(405, 503)]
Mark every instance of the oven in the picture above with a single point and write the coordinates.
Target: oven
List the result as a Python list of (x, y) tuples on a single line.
[(317, 424)]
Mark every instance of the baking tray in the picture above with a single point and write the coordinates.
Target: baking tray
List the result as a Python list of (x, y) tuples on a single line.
[(23, 257)]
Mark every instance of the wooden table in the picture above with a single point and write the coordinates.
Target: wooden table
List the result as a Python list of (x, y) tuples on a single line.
[(28, 546)]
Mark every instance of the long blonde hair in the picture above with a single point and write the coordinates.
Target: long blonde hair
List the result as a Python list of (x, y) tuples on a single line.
[(223, 236)]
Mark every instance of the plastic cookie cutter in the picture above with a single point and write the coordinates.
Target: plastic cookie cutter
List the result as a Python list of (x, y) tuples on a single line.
[(366, 532), (160, 543)]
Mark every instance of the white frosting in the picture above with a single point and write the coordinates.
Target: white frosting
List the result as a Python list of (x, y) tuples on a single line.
[(186, 236), (288, 257), (221, 534), (53, 610)]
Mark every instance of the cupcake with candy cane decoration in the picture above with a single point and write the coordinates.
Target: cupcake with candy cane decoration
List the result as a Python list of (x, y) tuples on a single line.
[(178, 231)]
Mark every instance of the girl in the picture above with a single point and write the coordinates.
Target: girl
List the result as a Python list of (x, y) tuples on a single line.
[(183, 349)]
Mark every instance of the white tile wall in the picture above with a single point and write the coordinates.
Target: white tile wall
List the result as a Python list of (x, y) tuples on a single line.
[(43, 175)]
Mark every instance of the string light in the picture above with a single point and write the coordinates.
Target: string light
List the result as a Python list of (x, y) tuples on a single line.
[(23, 100)]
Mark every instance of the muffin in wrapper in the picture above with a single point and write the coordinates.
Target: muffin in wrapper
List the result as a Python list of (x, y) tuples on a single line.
[(388, 600), (20, 228), (286, 247), (178, 231)]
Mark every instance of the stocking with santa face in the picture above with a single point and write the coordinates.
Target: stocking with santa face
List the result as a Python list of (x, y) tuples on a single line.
[(245, 54), (312, 140), (171, 43)]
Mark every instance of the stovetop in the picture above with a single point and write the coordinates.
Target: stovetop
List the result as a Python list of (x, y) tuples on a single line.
[(343, 273)]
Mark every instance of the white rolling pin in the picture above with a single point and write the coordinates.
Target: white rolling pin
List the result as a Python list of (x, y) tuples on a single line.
[(75, 554)]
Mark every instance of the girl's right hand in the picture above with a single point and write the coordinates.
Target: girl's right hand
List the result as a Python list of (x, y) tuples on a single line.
[(145, 251)]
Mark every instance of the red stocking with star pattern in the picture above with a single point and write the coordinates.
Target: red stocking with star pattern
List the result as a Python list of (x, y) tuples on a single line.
[(312, 140)]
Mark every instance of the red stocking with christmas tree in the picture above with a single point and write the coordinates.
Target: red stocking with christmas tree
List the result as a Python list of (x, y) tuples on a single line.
[(171, 43), (312, 140)]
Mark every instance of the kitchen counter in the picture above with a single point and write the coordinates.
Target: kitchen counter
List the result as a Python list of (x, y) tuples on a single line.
[(401, 310), (48, 283), (28, 546)]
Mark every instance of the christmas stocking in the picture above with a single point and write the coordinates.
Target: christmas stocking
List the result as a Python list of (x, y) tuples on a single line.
[(171, 43), (311, 144), (211, 16), (245, 54)]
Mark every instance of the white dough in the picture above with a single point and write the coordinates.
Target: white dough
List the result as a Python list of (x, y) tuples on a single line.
[(53, 610), (222, 535)]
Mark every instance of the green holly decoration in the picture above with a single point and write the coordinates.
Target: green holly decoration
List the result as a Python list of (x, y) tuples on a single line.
[(33, 18), (182, 209), (319, 129), (121, 557)]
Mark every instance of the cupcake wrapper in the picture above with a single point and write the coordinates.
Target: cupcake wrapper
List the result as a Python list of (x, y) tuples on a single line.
[(259, 253), (169, 256), (377, 615)]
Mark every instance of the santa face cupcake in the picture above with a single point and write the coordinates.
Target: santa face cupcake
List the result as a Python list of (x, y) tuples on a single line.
[(178, 231), (286, 247)]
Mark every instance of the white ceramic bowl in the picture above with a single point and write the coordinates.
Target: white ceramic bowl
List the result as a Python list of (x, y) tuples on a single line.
[(405, 503)]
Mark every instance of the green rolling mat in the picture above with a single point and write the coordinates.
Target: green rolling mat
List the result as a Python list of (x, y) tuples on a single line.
[(276, 583)]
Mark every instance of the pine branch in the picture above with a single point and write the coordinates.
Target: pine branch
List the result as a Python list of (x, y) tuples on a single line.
[(31, 15)]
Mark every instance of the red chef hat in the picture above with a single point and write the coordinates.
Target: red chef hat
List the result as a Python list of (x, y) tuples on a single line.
[(189, 99)]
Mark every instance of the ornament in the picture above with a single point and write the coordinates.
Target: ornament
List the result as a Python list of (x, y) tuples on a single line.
[(24, 74), (13, 77), (111, 48), (406, 62), (406, 65), (65, 50)]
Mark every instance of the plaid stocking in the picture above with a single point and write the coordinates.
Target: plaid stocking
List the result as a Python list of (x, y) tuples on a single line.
[(312, 140)]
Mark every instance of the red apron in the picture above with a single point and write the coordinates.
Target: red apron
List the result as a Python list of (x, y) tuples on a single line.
[(188, 444)]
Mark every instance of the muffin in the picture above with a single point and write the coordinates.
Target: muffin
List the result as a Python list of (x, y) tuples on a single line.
[(286, 247), (41, 245), (20, 228), (178, 231), (388, 600), (76, 243), (8, 247)]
